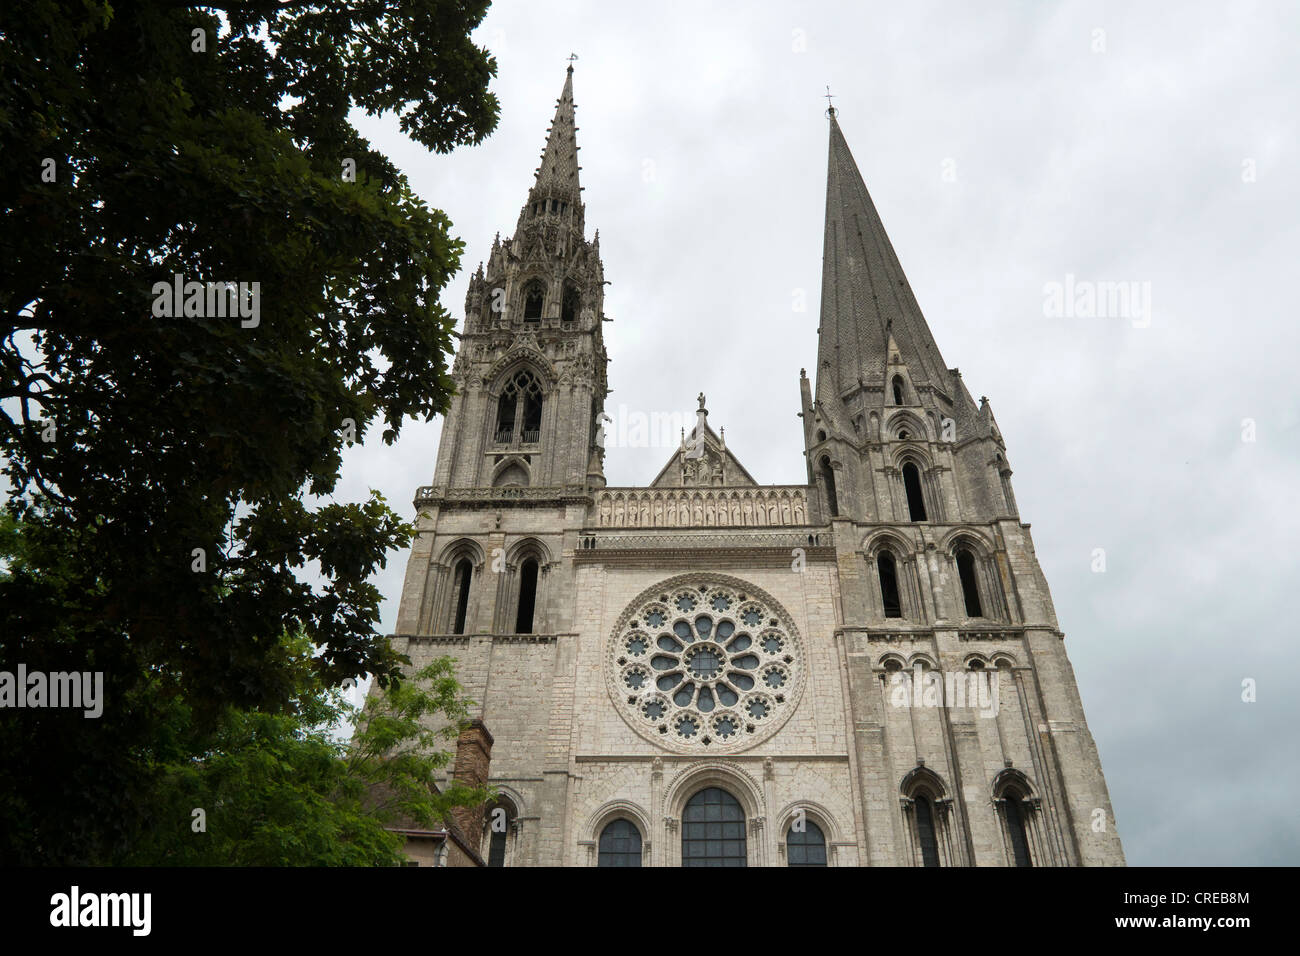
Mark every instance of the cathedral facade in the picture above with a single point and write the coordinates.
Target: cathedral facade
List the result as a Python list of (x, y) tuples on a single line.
[(862, 670)]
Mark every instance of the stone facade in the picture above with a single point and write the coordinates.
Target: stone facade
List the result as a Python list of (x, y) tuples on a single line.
[(868, 666)]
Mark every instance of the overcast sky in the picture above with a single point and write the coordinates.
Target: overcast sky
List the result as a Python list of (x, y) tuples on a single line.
[(1007, 146)]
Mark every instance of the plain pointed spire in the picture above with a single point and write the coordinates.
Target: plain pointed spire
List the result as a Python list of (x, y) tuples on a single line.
[(865, 295)]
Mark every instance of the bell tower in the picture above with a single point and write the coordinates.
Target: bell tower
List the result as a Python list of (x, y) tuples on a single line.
[(938, 575), (519, 453), (530, 371)]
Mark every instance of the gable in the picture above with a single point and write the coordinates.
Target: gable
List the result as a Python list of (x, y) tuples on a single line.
[(716, 467)]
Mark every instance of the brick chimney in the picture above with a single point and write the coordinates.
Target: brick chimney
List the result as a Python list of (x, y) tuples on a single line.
[(473, 759)]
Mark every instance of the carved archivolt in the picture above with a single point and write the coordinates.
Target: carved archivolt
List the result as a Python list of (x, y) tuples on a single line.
[(724, 773), (522, 356)]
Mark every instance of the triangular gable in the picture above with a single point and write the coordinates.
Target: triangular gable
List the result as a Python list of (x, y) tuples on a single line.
[(716, 463)]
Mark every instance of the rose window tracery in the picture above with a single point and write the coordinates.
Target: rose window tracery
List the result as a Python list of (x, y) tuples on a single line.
[(705, 662)]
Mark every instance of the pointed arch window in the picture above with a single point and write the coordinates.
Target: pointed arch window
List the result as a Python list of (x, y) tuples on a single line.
[(805, 846), (1016, 832), (927, 814), (507, 406), (464, 573), (534, 295), (828, 476), (713, 830), (620, 844), (887, 571), (899, 392), (532, 413), (1018, 811), (519, 409), (969, 586), (499, 825), (527, 596), (497, 848), (570, 304), (926, 834), (915, 498)]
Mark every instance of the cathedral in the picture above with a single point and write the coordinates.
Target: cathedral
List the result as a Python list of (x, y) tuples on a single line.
[(865, 669)]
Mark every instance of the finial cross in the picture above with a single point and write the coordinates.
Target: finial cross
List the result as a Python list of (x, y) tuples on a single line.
[(830, 106)]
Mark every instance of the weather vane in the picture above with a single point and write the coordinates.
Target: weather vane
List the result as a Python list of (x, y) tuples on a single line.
[(572, 57)]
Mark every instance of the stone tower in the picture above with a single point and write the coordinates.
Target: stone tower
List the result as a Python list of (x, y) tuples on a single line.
[(865, 669)]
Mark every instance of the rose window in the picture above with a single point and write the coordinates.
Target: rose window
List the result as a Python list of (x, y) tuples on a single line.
[(705, 662)]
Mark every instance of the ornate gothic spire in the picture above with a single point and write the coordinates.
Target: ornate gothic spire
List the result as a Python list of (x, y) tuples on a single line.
[(557, 177), (865, 295)]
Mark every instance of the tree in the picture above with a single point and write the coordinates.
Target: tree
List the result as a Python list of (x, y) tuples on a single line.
[(281, 790), (159, 463)]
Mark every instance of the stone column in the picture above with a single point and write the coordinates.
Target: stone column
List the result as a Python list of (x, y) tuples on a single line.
[(658, 840), (769, 797)]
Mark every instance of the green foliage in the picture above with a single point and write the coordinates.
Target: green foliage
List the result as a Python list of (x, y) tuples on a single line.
[(177, 434), (280, 790)]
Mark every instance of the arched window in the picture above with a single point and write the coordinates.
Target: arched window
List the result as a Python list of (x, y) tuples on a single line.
[(532, 413), (1014, 812), (464, 571), (925, 830), (527, 596), (570, 305), (926, 811), (915, 500), (805, 846), (898, 390), (498, 823), (497, 848), (620, 844), (520, 404), (969, 588), (888, 572), (713, 830), (828, 476), (534, 293), (506, 407)]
